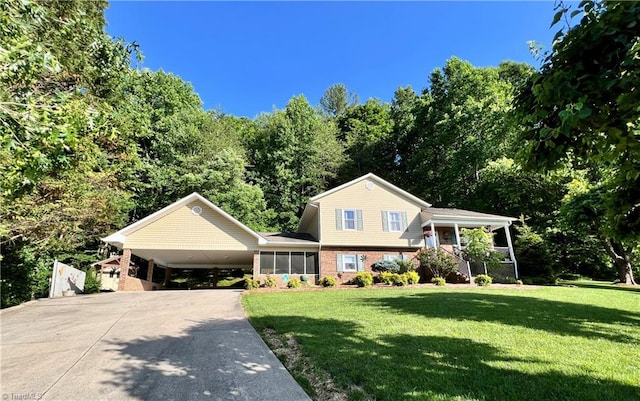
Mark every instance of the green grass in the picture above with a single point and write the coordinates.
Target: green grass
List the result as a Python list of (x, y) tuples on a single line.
[(551, 343)]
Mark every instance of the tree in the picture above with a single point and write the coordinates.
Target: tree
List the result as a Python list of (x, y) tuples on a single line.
[(337, 99), (365, 131), (582, 105), (583, 211), (462, 122), (581, 109), (294, 153), (478, 247), (59, 188)]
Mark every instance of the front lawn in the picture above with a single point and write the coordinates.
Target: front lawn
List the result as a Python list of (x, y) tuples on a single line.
[(552, 343)]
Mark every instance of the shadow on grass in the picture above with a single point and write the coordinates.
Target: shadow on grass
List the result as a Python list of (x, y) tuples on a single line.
[(600, 285), (556, 317), (211, 360), (405, 367)]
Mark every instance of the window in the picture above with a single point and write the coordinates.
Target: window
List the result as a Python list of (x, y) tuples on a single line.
[(282, 262), (391, 257), (394, 221), (395, 224), (349, 219), (311, 260), (288, 263), (266, 262), (297, 262), (349, 263)]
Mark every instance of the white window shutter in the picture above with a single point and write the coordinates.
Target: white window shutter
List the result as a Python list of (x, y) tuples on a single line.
[(360, 263), (404, 221), (338, 219), (339, 262), (385, 221), (359, 219)]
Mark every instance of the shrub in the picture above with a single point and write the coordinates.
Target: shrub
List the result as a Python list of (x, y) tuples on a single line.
[(483, 280), (509, 280), (519, 282), (251, 284), (405, 265), (385, 266), (386, 277), (400, 279), (328, 281), (92, 282), (293, 283), (412, 277), (270, 282), (363, 279), (439, 281), (439, 262)]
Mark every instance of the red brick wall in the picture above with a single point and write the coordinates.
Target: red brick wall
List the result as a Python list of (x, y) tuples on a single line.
[(137, 284), (328, 260)]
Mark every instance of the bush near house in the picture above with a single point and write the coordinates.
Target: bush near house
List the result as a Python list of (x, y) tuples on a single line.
[(439, 281), (412, 277), (437, 261), (251, 284), (270, 282), (363, 279), (293, 283), (327, 281), (385, 266), (400, 280), (483, 280), (405, 266)]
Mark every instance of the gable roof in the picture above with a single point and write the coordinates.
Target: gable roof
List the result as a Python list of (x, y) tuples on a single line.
[(119, 237), (380, 181)]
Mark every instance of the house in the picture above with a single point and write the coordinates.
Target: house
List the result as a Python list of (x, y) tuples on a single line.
[(341, 232)]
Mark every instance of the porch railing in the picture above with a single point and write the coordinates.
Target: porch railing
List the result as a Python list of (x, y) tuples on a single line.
[(463, 265)]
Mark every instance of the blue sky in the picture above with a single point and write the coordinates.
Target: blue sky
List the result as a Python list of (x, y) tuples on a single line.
[(249, 57)]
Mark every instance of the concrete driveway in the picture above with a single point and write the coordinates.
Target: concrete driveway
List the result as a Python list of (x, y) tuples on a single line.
[(160, 345)]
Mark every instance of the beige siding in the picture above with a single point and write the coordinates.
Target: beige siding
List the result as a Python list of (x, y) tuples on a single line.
[(181, 229), (372, 202), (312, 225)]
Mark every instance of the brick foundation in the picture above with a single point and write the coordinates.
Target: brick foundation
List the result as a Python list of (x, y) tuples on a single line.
[(328, 260)]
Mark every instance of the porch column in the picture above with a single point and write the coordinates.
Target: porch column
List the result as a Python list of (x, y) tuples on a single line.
[(150, 270), (167, 276), (457, 231), (511, 253), (433, 234), (125, 260)]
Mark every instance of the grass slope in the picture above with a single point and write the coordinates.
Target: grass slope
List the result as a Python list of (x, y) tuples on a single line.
[(550, 343)]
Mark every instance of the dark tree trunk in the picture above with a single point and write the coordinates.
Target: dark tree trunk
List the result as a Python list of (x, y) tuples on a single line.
[(621, 258)]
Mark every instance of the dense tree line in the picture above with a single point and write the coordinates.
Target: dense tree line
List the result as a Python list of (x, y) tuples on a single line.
[(91, 142)]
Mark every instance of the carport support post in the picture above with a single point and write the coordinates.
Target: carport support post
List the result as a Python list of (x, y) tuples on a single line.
[(150, 270), (167, 276), (125, 260), (214, 278)]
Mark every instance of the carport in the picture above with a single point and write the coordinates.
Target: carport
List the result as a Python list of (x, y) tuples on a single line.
[(191, 233)]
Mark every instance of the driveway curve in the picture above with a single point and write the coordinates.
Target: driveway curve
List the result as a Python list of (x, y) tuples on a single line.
[(159, 345)]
